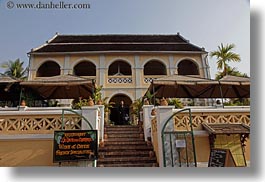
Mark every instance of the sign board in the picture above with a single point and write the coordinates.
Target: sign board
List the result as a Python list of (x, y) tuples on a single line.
[(221, 158), (180, 144), (75, 145)]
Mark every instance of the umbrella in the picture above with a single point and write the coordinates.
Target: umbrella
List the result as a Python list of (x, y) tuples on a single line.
[(235, 87), (9, 88), (61, 87), (180, 86), (192, 86)]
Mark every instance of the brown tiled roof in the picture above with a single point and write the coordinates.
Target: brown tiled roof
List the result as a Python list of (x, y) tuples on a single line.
[(112, 43), (118, 38), (226, 128)]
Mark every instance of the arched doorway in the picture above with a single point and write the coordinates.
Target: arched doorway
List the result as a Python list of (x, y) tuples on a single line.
[(187, 67), (118, 115)]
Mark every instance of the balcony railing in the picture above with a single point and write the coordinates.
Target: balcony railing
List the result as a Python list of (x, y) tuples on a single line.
[(119, 79), (150, 78)]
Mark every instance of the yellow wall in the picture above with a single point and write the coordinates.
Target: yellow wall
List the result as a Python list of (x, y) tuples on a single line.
[(33, 152), (68, 61), (26, 153), (202, 148)]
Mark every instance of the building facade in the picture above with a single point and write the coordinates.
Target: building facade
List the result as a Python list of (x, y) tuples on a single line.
[(123, 64)]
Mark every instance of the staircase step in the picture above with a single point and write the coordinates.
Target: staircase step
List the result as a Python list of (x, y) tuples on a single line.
[(126, 160), (122, 127), (125, 148), (122, 139), (116, 135), (130, 165), (139, 142), (123, 132), (145, 153)]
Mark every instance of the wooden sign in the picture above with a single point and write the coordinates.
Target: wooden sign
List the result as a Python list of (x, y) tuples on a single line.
[(74, 145), (221, 158)]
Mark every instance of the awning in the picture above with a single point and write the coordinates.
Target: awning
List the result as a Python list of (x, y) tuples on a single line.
[(61, 87), (226, 128), (194, 86), (9, 88)]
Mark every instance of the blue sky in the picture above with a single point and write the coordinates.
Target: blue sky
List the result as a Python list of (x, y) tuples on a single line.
[(206, 23)]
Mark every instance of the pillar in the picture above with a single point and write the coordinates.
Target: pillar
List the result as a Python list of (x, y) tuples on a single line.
[(163, 114), (147, 119)]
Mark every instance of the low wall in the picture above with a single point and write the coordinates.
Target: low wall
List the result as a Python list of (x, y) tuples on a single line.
[(228, 115), (26, 151), (26, 134)]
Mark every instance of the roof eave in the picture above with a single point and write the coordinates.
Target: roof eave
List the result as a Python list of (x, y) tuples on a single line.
[(96, 52)]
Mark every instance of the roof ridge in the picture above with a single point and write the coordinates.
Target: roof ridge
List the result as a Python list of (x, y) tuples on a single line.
[(122, 34)]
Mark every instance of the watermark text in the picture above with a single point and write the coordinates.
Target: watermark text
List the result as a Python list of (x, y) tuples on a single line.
[(47, 5)]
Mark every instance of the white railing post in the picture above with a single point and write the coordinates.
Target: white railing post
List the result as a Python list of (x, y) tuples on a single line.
[(147, 120), (91, 114), (163, 114), (101, 123)]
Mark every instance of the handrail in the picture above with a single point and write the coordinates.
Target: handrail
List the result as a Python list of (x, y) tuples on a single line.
[(70, 110), (176, 114)]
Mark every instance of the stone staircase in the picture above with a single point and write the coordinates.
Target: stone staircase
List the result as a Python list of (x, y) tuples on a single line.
[(124, 146)]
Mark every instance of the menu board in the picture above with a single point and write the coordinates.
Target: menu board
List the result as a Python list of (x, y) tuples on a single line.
[(74, 145), (221, 158)]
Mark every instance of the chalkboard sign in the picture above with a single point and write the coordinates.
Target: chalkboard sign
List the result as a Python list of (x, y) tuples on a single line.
[(75, 145), (221, 158)]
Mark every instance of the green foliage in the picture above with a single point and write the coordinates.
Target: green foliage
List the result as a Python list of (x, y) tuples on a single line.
[(238, 102), (107, 105), (137, 106), (97, 95), (15, 69), (149, 97), (175, 102), (81, 102), (230, 71)]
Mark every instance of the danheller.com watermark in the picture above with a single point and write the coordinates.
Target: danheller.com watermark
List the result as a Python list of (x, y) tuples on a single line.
[(50, 5)]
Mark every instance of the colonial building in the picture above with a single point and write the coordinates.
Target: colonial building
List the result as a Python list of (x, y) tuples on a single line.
[(123, 64)]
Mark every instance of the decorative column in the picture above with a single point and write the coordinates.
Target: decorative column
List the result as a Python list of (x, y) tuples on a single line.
[(66, 67), (32, 71), (163, 114), (147, 119), (137, 79), (102, 70), (172, 68)]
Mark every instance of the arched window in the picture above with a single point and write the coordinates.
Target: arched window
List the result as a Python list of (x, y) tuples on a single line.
[(155, 68), (119, 68), (85, 68), (187, 67), (47, 69)]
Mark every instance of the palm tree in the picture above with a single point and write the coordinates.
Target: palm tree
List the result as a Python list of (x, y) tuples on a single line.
[(15, 69), (225, 55), (230, 71)]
